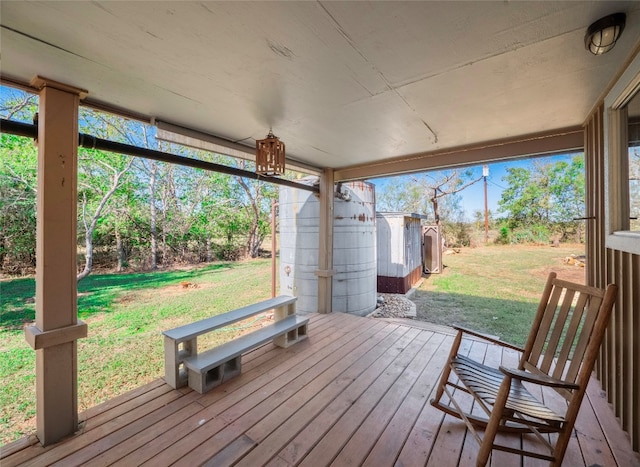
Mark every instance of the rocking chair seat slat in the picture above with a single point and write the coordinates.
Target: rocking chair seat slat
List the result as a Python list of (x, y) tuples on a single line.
[(485, 382)]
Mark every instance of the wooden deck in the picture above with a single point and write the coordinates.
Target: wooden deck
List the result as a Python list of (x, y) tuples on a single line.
[(355, 393)]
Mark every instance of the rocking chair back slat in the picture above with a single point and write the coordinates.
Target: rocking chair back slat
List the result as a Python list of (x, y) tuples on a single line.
[(540, 334), (569, 341), (559, 318), (527, 353), (585, 338)]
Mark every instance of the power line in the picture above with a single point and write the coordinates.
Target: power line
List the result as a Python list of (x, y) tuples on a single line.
[(499, 186)]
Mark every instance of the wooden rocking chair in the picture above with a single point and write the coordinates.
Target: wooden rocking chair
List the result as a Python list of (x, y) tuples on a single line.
[(560, 353)]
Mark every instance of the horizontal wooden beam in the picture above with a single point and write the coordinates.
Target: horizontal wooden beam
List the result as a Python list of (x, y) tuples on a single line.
[(556, 142), (91, 142), (199, 140)]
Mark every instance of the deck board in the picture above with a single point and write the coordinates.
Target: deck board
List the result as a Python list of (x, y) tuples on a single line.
[(451, 434), (615, 436), (406, 371), (240, 410), (356, 392), (284, 396), (349, 389), (271, 434), (339, 434), (494, 357), (391, 441)]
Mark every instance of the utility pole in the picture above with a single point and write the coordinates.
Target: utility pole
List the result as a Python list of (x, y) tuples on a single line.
[(485, 174)]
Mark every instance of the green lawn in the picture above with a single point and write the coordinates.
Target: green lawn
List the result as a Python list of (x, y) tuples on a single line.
[(494, 289), (125, 314)]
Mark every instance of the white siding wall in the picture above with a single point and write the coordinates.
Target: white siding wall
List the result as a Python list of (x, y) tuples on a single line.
[(399, 244)]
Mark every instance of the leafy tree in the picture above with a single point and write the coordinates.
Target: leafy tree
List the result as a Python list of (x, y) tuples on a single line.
[(18, 161), (100, 176), (257, 204), (567, 187), (526, 198), (427, 193), (151, 168), (545, 198), (18, 186), (18, 105), (131, 211)]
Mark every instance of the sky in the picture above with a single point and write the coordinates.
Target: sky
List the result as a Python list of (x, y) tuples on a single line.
[(473, 196)]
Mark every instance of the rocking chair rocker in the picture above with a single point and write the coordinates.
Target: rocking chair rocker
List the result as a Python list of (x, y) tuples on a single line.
[(560, 353)]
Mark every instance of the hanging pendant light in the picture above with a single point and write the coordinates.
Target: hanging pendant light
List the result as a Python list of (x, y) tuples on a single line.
[(270, 156)]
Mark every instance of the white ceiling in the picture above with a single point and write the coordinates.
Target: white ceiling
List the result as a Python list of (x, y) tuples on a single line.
[(341, 83)]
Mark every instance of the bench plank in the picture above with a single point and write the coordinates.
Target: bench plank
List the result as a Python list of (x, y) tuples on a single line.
[(214, 357), (192, 330), (181, 343), (212, 367)]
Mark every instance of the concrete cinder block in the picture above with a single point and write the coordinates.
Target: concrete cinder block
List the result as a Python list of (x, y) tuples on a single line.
[(174, 354), (206, 380), (291, 337)]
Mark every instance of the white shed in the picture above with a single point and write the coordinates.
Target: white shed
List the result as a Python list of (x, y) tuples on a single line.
[(399, 238)]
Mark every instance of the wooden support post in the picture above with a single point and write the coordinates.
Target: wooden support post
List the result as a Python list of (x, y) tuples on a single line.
[(57, 328), (325, 247)]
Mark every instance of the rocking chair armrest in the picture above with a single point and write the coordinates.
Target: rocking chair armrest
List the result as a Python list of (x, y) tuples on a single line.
[(487, 338), (542, 380)]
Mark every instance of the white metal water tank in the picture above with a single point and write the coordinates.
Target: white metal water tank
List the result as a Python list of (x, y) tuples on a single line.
[(354, 247)]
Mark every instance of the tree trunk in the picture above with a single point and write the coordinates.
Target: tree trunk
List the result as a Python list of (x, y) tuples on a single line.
[(253, 241), (164, 247), (119, 252), (88, 257), (153, 216), (436, 210)]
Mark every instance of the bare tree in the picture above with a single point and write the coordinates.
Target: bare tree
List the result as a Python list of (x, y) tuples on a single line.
[(416, 193), (449, 184)]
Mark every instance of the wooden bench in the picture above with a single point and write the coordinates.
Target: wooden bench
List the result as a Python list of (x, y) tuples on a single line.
[(203, 371)]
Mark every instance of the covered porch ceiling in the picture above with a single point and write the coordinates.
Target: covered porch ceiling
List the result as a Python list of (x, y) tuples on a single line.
[(342, 83)]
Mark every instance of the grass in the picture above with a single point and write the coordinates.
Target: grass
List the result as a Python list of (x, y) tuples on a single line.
[(125, 314), (493, 289)]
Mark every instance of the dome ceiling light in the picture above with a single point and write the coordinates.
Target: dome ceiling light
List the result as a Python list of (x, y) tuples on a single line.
[(603, 34)]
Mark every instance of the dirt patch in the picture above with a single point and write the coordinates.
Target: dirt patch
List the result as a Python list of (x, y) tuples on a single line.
[(168, 291), (126, 298), (568, 273)]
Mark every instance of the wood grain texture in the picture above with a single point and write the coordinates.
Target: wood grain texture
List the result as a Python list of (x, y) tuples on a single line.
[(355, 391)]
